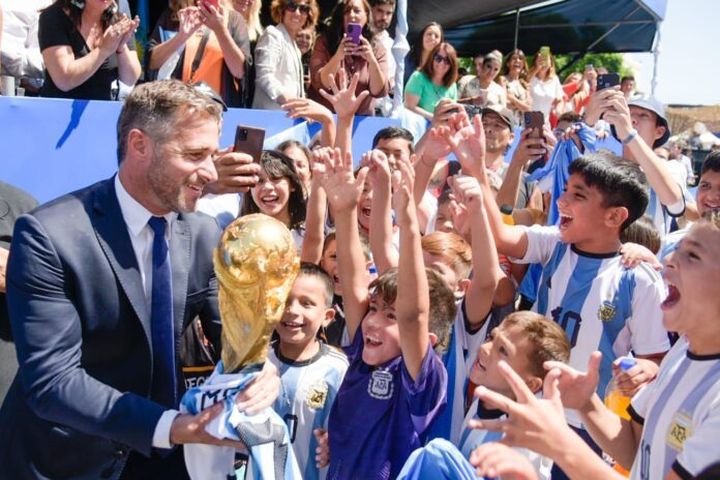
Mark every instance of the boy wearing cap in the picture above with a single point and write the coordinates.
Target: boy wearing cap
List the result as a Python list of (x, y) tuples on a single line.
[(641, 126)]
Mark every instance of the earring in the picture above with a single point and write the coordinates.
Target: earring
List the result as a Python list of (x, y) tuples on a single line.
[(79, 4)]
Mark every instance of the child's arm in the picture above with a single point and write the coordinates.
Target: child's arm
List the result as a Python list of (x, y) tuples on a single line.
[(412, 304), (312, 111), (469, 147), (343, 192), (381, 228), (528, 149), (485, 264), (345, 103), (316, 211)]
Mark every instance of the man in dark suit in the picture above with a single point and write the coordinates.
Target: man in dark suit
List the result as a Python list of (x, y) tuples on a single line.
[(98, 298)]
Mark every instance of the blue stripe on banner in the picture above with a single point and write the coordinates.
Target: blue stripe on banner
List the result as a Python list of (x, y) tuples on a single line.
[(614, 315), (546, 280)]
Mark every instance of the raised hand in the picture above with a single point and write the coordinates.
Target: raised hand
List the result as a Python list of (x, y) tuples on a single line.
[(342, 187), (190, 21), (212, 16), (536, 424), (343, 98), (129, 28), (379, 167), (577, 387), (529, 148), (467, 192), (308, 109), (468, 144), (403, 183)]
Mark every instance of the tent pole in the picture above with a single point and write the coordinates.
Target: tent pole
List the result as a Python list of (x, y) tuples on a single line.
[(517, 27)]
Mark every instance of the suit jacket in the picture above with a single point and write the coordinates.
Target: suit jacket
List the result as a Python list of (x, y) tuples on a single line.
[(278, 68), (81, 325)]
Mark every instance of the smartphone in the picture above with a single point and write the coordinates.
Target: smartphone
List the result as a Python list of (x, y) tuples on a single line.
[(250, 140), (472, 110), (607, 80), (545, 51), (354, 31), (214, 3), (535, 120)]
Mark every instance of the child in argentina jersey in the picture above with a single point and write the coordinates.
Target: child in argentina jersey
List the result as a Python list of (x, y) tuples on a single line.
[(264, 434), (600, 304), (308, 390), (471, 438), (680, 414), (460, 353)]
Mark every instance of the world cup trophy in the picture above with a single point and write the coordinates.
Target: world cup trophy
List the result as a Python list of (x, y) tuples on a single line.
[(256, 263)]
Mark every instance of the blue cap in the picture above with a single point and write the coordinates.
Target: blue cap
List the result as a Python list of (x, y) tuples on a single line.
[(627, 363)]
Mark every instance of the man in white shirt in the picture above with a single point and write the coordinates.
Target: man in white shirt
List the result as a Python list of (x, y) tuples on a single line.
[(101, 285), (381, 14)]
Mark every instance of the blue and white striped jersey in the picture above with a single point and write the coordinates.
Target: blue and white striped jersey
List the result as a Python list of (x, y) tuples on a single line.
[(458, 359), (600, 304), (471, 438), (680, 414), (264, 434), (307, 392)]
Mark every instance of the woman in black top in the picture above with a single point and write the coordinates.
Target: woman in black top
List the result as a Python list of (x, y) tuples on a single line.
[(86, 46)]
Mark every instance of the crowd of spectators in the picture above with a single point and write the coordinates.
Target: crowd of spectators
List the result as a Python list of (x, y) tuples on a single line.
[(405, 348)]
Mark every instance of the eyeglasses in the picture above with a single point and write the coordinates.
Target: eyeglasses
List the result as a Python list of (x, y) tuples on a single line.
[(441, 59), (294, 7)]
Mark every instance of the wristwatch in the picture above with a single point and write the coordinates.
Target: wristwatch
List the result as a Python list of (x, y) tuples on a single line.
[(633, 133)]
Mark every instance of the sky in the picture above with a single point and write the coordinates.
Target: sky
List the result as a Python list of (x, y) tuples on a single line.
[(689, 53)]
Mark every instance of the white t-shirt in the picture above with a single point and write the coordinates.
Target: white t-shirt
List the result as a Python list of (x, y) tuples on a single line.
[(680, 414), (543, 94)]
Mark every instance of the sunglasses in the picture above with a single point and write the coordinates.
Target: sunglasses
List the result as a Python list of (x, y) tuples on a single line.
[(293, 7), (440, 59)]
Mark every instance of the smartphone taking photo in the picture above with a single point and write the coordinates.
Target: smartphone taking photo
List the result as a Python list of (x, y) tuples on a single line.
[(249, 140), (354, 31), (535, 120), (607, 80)]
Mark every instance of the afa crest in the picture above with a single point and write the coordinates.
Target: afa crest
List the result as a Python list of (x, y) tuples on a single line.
[(317, 394), (680, 430), (606, 312), (381, 386)]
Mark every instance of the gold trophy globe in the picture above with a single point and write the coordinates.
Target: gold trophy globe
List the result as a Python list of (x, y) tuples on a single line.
[(256, 263)]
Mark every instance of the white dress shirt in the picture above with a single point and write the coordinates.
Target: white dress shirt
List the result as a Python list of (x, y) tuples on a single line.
[(141, 236)]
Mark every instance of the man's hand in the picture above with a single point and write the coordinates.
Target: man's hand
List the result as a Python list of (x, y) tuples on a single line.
[(3, 268), (261, 393), (529, 148), (236, 173), (191, 429), (598, 105), (343, 98)]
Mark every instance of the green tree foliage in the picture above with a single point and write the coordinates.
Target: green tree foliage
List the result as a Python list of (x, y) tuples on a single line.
[(613, 62)]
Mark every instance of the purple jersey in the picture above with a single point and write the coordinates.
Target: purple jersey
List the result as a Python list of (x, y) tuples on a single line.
[(380, 414)]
